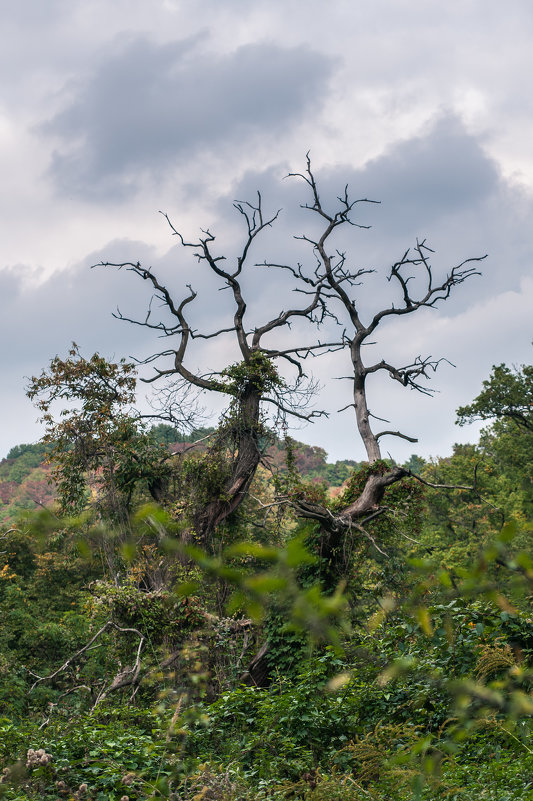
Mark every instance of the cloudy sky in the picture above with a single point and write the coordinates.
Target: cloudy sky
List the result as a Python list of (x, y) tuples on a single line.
[(112, 110)]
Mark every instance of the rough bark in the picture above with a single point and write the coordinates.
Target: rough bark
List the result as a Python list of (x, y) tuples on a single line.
[(244, 432)]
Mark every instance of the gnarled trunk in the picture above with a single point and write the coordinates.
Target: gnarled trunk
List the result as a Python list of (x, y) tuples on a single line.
[(241, 437)]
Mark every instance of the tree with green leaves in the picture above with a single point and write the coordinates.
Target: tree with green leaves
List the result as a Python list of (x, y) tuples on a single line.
[(506, 402), (91, 430), (506, 395)]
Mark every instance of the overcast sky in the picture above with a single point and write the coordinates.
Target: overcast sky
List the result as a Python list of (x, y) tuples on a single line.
[(112, 110)]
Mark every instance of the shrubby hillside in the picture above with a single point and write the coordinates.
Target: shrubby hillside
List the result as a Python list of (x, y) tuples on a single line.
[(24, 480)]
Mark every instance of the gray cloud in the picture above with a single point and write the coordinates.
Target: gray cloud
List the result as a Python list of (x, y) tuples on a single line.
[(441, 172), (437, 173), (40, 320), (158, 105), (148, 104), (73, 304), (25, 12), (440, 186)]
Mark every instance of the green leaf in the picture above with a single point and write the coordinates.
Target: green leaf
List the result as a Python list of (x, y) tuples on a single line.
[(296, 554), (83, 548), (187, 588), (128, 551), (508, 532), (254, 549), (265, 583)]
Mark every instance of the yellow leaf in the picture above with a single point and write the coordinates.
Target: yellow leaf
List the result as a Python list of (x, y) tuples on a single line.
[(504, 604), (338, 681), (424, 620)]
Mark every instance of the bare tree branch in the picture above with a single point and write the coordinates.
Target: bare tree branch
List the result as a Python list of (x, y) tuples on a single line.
[(249, 384), (127, 677), (413, 269), (396, 434), (293, 413), (442, 486)]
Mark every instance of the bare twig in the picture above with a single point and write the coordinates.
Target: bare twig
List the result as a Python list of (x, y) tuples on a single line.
[(339, 280)]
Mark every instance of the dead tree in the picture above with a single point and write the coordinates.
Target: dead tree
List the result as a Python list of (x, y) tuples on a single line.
[(249, 384), (338, 283), (341, 281), (330, 292), (413, 275)]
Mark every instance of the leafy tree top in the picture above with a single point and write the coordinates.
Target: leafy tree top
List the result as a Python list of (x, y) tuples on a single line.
[(507, 394)]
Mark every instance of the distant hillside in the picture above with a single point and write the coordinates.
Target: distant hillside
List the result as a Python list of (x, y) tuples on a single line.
[(25, 475), (311, 463), (311, 460), (24, 480)]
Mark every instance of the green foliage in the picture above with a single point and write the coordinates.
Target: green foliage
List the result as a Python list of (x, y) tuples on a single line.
[(510, 452), (95, 432), (160, 616), (507, 394), (307, 462), (112, 752), (394, 705), (257, 372), (25, 458), (280, 732), (202, 477), (24, 482), (164, 434), (411, 679), (506, 446), (415, 463), (367, 567)]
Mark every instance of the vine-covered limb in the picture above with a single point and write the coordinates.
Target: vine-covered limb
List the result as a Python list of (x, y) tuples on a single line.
[(368, 505)]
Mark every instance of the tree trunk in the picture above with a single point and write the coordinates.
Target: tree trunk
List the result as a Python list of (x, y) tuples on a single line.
[(360, 404), (242, 437)]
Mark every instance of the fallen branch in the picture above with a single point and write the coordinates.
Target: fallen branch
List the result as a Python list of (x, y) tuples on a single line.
[(122, 679)]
